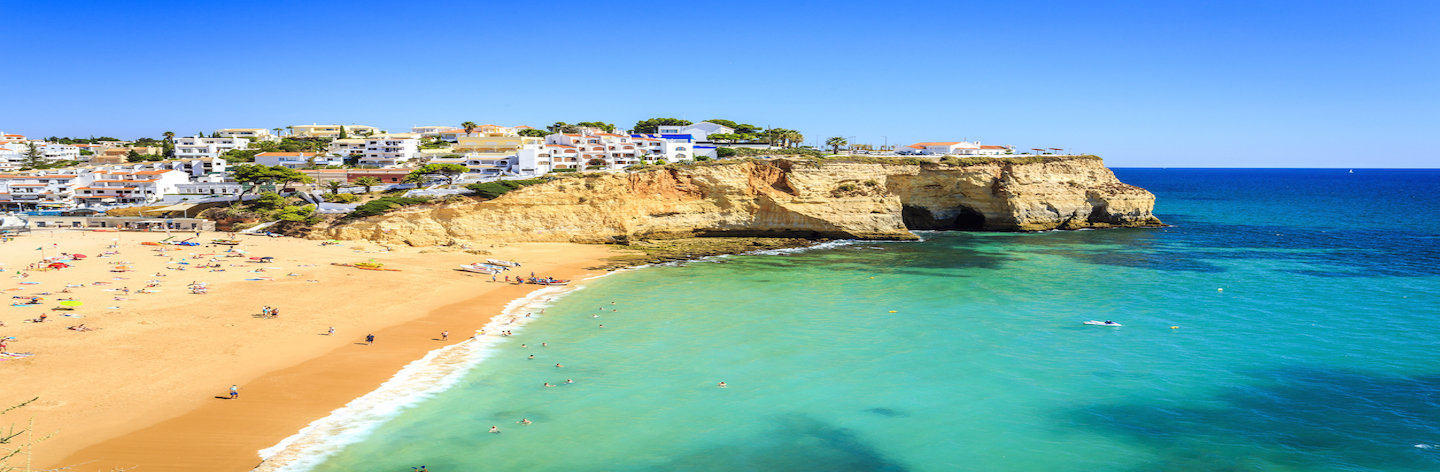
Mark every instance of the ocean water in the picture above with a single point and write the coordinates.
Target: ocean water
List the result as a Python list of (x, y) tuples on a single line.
[(1287, 321)]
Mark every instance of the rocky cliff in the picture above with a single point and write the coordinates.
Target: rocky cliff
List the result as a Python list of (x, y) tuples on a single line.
[(777, 198)]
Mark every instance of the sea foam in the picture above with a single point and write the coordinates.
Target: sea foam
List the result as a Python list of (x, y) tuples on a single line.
[(420, 380)]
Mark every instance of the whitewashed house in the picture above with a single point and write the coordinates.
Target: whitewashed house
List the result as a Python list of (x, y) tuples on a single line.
[(390, 150), (200, 146)]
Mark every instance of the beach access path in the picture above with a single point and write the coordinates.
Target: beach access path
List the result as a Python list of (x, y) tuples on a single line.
[(146, 387)]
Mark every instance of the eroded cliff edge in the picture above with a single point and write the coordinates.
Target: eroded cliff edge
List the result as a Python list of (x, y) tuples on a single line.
[(778, 198)]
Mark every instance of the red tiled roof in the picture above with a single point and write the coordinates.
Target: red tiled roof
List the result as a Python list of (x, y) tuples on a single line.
[(992, 147)]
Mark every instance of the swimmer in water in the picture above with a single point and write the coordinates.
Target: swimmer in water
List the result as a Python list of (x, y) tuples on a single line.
[(494, 429), (602, 326), (547, 384), (722, 385), (532, 356), (522, 345), (523, 421), (557, 366), (594, 316), (568, 381), (544, 345)]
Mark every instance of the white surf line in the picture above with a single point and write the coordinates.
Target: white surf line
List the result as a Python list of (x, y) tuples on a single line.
[(416, 382)]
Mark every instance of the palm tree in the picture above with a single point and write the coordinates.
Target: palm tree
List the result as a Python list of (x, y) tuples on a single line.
[(835, 144), (367, 182), (291, 130), (469, 126), (792, 137), (277, 131), (334, 186)]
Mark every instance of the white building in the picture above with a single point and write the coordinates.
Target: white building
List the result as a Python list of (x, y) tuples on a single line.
[(11, 138), (253, 134), (427, 131), (348, 146), (331, 131), (390, 150), (58, 152), (200, 146), (698, 132), (209, 189), (52, 188), (297, 160), (956, 148), (482, 165), (119, 186)]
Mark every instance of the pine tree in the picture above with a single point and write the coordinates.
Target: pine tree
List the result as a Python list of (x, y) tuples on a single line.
[(342, 132), (33, 158)]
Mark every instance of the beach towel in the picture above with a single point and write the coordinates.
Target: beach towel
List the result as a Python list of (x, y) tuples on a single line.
[(266, 278), (29, 283)]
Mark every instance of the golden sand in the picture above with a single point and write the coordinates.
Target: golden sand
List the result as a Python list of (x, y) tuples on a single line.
[(148, 386)]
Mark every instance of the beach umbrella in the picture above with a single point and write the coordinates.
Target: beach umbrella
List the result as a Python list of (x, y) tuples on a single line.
[(59, 265), (79, 256), (71, 303)]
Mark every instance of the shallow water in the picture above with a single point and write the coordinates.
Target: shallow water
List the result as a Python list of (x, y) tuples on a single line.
[(966, 351)]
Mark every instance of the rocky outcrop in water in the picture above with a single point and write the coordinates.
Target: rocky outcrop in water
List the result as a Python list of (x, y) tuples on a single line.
[(793, 199)]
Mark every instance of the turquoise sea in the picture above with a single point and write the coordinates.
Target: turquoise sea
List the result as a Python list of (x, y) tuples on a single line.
[(966, 351)]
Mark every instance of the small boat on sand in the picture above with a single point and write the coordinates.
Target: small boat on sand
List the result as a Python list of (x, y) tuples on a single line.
[(546, 281), (502, 263), (1103, 323), (481, 268)]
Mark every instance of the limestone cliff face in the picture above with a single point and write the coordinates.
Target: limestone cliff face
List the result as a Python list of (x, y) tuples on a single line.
[(777, 198)]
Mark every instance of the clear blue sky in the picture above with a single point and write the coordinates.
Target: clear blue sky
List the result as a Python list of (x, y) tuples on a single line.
[(1196, 84)]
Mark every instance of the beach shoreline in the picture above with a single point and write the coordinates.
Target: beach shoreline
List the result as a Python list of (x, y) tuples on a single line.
[(140, 394)]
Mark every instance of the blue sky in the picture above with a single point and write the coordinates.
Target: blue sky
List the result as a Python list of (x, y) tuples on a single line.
[(1144, 83)]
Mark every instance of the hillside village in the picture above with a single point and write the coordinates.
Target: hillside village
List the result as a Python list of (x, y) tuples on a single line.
[(91, 176)]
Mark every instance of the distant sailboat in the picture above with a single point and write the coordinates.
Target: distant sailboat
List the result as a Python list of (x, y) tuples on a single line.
[(1352, 171)]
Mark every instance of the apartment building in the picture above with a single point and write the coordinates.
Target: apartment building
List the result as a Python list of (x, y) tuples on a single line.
[(132, 186), (348, 146), (58, 152), (11, 138), (297, 160), (428, 131), (608, 151), (253, 134), (481, 165), (200, 146), (331, 131), (698, 132), (390, 150), (52, 188)]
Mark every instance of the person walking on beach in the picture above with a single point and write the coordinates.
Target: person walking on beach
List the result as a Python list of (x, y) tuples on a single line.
[(234, 392), (332, 331), (369, 339), (445, 335)]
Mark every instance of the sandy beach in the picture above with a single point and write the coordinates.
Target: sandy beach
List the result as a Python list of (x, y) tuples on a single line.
[(149, 385)]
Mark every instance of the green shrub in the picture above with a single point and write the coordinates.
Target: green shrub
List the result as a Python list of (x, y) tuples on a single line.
[(268, 201), (500, 187), (341, 198), (383, 204), (871, 183), (721, 153), (847, 187), (565, 170)]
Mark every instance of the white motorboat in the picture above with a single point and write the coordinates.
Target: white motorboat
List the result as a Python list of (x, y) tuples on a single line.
[(1103, 323), (480, 268), (502, 263)]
